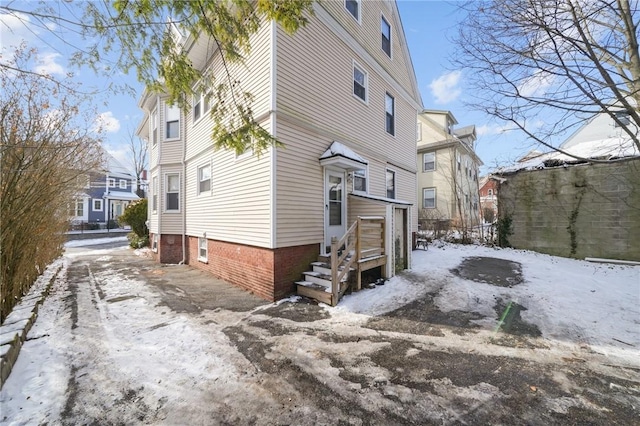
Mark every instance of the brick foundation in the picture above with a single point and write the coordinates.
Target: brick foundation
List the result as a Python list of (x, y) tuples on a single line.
[(267, 273), (169, 248)]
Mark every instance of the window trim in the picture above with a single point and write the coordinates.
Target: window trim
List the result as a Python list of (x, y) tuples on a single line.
[(111, 182), (93, 204), (154, 243), (395, 192), (424, 162), (166, 192), (122, 181), (366, 83), (366, 181), (203, 103), (154, 194), (383, 37), (154, 127), (418, 131), (205, 258), (388, 95), (435, 197), (167, 122), (358, 19), (199, 180)]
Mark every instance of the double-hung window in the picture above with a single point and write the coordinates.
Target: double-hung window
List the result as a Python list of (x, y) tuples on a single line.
[(360, 180), (202, 249), (204, 179), (123, 184), (391, 184), (201, 105), (360, 82), (154, 126), (172, 118), (353, 6), (97, 205), (385, 29), (154, 199), (78, 208), (172, 198), (429, 198), (390, 111), (429, 161)]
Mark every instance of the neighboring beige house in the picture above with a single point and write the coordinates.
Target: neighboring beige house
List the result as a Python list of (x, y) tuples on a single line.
[(447, 172), (341, 94)]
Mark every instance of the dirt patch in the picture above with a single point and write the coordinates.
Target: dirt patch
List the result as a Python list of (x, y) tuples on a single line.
[(490, 270), (421, 316), (512, 322), (304, 310)]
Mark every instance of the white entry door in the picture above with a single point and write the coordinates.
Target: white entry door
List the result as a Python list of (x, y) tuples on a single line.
[(335, 207)]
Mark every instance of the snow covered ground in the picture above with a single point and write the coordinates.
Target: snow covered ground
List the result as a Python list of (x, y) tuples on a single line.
[(106, 348)]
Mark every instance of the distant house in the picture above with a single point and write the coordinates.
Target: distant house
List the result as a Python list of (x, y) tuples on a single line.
[(104, 195), (447, 171), (577, 207), (342, 97), (488, 198)]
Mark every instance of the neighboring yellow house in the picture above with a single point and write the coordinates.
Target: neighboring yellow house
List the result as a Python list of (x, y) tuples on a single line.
[(342, 96), (448, 193)]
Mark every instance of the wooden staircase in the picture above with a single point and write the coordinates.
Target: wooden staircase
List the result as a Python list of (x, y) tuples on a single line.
[(360, 249)]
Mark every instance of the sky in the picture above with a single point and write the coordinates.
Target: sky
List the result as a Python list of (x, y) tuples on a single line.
[(428, 27), (155, 362)]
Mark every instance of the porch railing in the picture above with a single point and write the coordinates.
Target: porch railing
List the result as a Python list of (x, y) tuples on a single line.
[(361, 248)]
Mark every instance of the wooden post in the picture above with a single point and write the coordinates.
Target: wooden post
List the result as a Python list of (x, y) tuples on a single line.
[(335, 285)]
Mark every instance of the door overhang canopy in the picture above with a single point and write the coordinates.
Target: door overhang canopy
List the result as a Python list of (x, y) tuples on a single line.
[(338, 155)]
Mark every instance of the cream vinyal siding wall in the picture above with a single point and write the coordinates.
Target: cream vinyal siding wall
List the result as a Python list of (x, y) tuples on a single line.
[(237, 208), (170, 222), (442, 179), (316, 106)]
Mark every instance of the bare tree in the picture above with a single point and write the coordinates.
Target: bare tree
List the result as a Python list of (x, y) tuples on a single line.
[(138, 159), (546, 66), (45, 155)]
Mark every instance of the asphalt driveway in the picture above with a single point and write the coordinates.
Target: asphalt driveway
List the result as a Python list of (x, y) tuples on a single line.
[(123, 340)]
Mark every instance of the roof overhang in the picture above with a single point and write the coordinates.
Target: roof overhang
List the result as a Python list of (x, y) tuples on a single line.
[(380, 200), (124, 196), (341, 157)]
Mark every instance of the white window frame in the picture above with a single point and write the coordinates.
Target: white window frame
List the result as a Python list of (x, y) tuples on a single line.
[(386, 184), (359, 17), (366, 181), (93, 204), (173, 110), (154, 243), (200, 181), (202, 258), (166, 193), (201, 103), (111, 183), (490, 191), (388, 96), (424, 162), (384, 20), (361, 69), (424, 198), (78, 202), (154, 194), (123, 184), (154, 127)]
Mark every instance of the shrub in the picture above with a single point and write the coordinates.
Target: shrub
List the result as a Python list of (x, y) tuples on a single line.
[(135, 215), (137, 242)]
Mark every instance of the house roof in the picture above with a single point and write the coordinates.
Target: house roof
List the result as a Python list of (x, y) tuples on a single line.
[(465, 131), (600, 149)]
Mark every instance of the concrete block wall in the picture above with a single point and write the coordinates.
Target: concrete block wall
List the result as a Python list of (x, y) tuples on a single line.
[(598, 203)]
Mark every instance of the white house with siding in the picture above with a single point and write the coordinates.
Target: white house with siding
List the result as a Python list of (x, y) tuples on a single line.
[(342, 97)]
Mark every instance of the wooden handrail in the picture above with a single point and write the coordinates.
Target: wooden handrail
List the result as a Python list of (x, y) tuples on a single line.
[(352, 241)]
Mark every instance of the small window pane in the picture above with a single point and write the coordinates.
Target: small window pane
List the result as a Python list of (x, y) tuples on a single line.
[(353, 7), (359, 181), (391, 184), (386, 36), (204, 179), (429, 161), (173, 129), (429, 198), (359, 83)]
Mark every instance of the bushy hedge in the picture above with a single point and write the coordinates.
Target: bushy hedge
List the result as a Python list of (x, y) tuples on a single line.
[(135, 215)]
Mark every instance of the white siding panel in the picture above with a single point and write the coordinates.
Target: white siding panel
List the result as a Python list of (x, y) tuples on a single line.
[(300, 186)]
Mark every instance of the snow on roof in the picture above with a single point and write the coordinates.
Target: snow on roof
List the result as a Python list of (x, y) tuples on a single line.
[(338, 149), (382, 199), (601, 149)]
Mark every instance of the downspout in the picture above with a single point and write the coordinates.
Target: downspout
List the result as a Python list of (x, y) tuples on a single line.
[(183, 185), (160, 187)]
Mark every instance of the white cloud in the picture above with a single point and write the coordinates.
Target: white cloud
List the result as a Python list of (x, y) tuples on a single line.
[(47, 64), (445, 88), (537, 84), (107, 122), (14, 29)]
